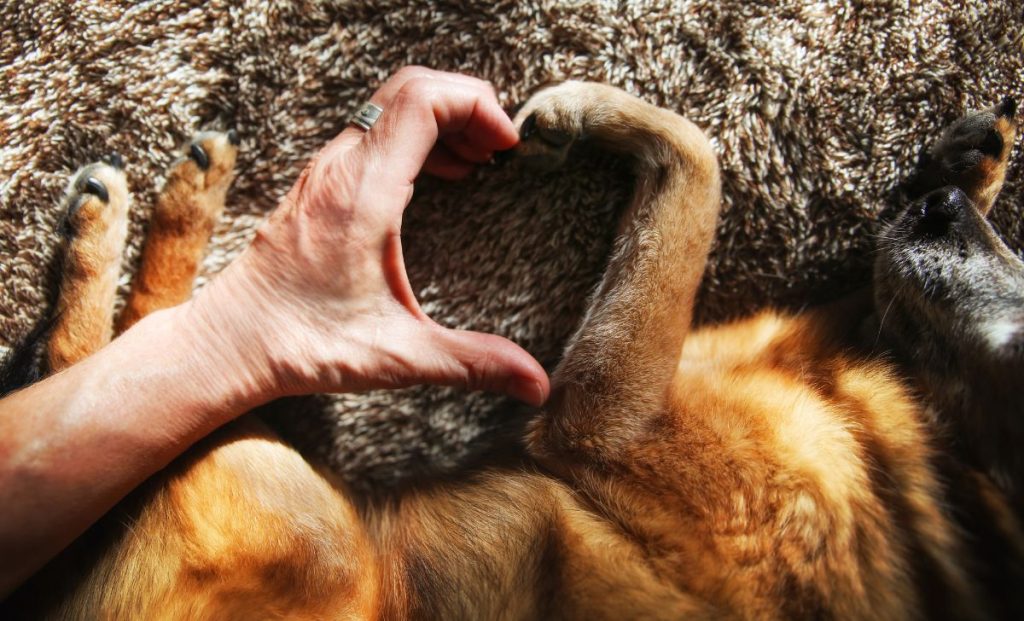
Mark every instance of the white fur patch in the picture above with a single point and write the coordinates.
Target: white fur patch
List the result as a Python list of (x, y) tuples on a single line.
[(999, 332)]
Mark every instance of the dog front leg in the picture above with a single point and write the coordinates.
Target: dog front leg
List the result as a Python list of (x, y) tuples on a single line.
[(615, 374)]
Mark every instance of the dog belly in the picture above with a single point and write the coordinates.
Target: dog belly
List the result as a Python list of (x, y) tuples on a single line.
[(785, 478)]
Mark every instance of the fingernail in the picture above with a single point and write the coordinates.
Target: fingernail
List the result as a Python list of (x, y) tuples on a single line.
[(527, 390)]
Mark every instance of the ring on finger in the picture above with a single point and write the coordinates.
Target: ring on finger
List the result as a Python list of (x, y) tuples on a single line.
[(366, 116)]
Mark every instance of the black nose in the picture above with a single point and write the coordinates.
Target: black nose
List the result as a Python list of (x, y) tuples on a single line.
[(942, 208), (1008, 107)]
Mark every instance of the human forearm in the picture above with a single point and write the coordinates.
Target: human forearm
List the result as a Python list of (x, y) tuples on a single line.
[(76, 443)]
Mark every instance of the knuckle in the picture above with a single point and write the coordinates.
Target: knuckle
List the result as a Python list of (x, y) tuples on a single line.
[(411, 72), (478, 371), (327, 183), (417, 92), (489, 87), (418, 86)]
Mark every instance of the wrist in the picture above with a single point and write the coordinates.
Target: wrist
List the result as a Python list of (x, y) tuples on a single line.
[(223, 351), (176, 378), (253, 330)]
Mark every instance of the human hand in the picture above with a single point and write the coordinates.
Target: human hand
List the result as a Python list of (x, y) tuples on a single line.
[(321, 301)]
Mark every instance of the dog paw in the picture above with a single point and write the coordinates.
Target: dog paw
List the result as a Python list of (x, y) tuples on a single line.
[(96, 200), (551, 121), (971, 154), (198, 182), (95, 226), (975, 137), (209, 161)]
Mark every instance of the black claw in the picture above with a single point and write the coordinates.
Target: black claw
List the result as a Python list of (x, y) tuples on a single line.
[(233, 138), (1008, 107), (500, 157), (197, 153), (529, 124), (115, 160), (95, 187)]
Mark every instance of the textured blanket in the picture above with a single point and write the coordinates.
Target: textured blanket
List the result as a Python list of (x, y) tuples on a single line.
[(817, 109)]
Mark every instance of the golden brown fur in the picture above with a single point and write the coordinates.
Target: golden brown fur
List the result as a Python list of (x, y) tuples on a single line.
[(762, 469), (182, 222), (218, 539)]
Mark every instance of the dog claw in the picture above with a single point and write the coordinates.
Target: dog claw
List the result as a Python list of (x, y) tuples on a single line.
[(528, 127), (95, 187), (199, 155), (115, 160), (1008, 107)]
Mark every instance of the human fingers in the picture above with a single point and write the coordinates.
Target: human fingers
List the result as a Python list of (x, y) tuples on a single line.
[(466, 149), (446, 164), (424, 110), (333, 175), (385, 95)]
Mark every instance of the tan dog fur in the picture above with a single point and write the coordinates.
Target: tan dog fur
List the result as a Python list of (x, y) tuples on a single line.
[(92, 259), (182, 222), (759, 470)]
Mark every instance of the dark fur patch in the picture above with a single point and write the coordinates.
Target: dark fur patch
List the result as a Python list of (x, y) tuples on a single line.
[(24, 363)]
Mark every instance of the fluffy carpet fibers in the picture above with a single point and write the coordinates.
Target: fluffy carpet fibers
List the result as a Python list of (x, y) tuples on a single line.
[(817, 110)]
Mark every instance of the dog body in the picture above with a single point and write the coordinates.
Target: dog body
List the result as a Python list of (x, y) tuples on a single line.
[(777, 467)]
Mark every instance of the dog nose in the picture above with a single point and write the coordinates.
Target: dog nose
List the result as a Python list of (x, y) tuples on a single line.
[(941, 208)]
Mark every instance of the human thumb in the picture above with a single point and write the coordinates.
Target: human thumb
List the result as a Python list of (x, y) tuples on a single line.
[(488, 362)]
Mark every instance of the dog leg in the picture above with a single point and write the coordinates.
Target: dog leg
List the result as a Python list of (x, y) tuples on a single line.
[(95, 226), (183, 220), (616, 372)]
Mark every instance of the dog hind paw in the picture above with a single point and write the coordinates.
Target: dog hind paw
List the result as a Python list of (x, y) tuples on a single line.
[(971, 154), (96, 200), (197, 182)]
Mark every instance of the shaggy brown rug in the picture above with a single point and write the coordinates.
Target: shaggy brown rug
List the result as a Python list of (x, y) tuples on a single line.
[(817, 110)]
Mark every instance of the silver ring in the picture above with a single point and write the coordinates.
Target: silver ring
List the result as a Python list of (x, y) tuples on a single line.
[(367, 116)]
